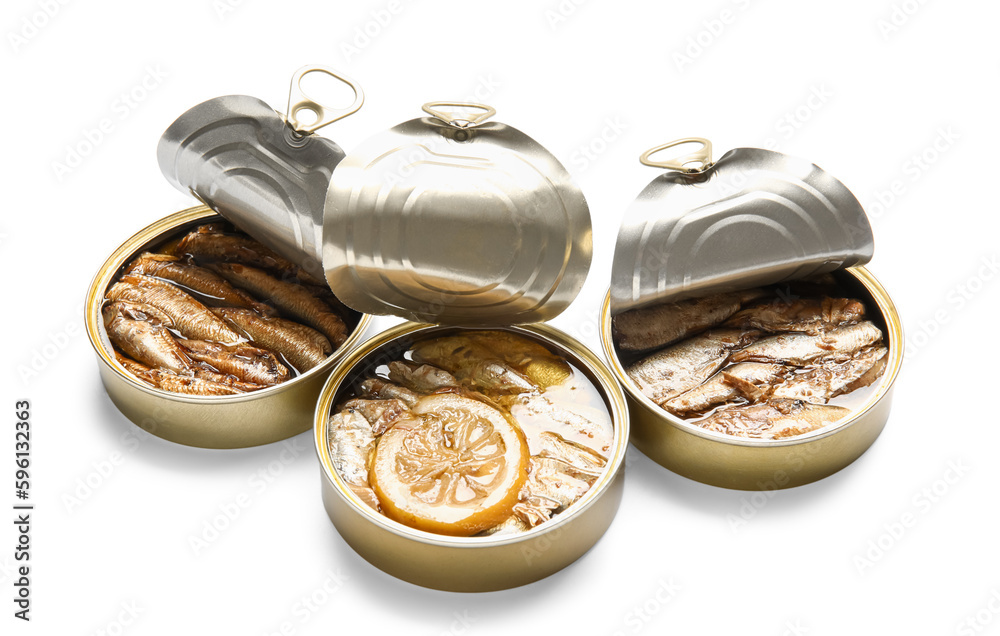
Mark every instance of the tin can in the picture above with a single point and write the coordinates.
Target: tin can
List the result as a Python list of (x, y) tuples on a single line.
[(755, 217), (754, 464), (472, 564), (234, 421)]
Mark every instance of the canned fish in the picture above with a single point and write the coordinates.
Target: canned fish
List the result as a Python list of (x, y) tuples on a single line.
[(484, 529), (755, 350), (257, 410)]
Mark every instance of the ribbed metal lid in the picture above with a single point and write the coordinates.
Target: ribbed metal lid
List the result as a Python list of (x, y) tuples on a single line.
[(265, 173), (450, 219), (753, 217)]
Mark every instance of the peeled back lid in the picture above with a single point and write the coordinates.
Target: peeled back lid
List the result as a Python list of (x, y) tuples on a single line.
[(754, 217), (266, 174), (454, 220)]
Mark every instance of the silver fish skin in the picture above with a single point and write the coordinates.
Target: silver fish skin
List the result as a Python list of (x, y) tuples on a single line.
[(469, 359), (191, 318), (497, 376), (799, 349), (380, 414), (670, 372), (807, 315), (775, 419), (728, 385), (580, 457), (552, 486), (558, 481), (422, 378), (653, 327), (834, 377), (511, 526), (351, 441), (539, 410), (379, 389)]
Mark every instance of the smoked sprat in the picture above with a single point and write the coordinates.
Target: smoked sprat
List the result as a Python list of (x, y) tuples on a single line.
[(217, 313), (761, 364)]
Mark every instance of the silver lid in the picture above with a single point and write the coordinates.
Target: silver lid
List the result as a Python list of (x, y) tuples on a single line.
[(266, 175), (752, 218), (450, 220)]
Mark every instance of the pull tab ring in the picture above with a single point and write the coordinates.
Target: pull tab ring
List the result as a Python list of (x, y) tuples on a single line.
[(463, 121), (299, 102), (702, 156)]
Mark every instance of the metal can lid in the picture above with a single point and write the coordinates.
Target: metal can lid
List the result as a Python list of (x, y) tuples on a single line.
[(266, 174), (455, 220), (754, 217)]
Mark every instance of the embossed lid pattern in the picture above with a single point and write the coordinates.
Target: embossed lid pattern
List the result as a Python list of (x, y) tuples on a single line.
[(754, 217), (448, 220)]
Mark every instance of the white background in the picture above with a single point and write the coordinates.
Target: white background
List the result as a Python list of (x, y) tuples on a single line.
[(903, 97)]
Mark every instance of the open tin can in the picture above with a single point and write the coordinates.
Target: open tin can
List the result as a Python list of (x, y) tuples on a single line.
[(753, 218), (235, 421), (471, 564), (267, 174), (453, 220)]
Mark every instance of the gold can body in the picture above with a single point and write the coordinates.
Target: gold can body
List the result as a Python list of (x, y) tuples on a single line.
[(233, 421), (748, 464), (475, 564)]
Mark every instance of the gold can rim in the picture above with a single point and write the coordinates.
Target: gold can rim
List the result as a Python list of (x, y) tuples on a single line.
[(107, 271), (888, 379), (580, 354)]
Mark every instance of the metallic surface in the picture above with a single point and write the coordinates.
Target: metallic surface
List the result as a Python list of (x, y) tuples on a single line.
[(456, 223), (754, 217), (300, 104), (748, 464), (238, 155), (475, 564), (234, 421)]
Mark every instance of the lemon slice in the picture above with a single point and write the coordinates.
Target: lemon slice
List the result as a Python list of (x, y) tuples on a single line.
[(456, 467)]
